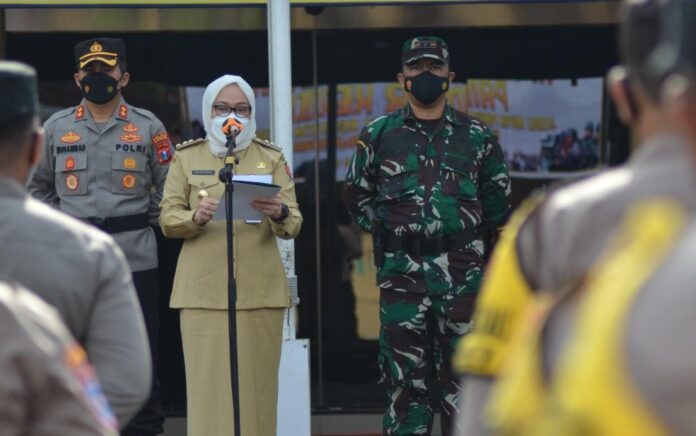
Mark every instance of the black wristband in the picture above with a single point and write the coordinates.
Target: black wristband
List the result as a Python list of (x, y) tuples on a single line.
[(284, 213)]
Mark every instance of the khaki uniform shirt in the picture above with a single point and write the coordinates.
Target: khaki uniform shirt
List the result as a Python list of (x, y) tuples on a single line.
[(47, 386), (107, 171), (201, 274), (83, 274)]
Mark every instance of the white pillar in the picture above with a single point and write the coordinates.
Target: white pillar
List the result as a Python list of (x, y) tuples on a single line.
[(280, 80), (294, 406)]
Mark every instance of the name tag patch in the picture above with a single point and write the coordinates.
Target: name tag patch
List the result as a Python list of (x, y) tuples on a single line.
[(203, 172)]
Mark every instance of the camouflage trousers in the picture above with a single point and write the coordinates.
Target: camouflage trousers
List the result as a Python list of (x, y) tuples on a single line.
[(418, 336)]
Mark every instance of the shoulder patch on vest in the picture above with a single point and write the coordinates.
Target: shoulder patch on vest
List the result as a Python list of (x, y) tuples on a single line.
[(266, 143), (189, 143)]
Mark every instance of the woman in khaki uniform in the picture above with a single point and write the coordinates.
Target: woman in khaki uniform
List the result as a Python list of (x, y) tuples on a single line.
[(200, 283)]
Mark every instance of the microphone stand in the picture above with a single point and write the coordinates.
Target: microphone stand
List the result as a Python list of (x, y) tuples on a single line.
[(226, 176)]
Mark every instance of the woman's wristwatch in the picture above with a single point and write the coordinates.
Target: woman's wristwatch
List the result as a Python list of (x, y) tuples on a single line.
[(284, 213)]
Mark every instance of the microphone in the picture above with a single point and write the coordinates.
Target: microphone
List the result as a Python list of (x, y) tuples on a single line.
[(232, 127)]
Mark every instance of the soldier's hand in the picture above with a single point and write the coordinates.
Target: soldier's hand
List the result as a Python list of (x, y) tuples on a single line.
[(206, 210), (271, 206)]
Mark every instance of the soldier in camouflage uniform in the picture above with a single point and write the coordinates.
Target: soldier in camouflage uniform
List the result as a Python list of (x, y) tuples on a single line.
[(426, 181)]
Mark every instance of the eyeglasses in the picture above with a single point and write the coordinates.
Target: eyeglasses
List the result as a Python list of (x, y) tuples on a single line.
[(223, 110)]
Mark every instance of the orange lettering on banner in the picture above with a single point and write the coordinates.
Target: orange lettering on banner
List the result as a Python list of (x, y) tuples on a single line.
[(396, 97), (303, 105), (354, 99), (483, 94), (473, 94), (308, 145), (345, 100), (457, 98), (306, 106), (363, 99)]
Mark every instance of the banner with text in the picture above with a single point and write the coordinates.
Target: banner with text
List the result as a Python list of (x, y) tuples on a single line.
[(542, 126)]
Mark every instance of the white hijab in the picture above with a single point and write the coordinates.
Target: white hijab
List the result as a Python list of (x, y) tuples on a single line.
[(211, 92)]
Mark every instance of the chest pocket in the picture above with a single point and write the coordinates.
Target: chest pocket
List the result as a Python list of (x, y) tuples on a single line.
[(129, 175), (458, 176), (198, 182), (71, 174), (400, 183)]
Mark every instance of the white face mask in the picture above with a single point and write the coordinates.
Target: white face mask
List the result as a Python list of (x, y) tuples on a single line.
[(219, 139)]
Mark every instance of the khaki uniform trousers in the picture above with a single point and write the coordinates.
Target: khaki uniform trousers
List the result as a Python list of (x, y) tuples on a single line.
[(205, 339)]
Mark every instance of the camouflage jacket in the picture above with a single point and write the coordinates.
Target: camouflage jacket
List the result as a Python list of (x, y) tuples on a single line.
[(427, 184)]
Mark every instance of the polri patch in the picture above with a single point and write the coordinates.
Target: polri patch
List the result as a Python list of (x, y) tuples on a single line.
[(129, 163), (130, 128), (164, 156), (70, 138), (128, 181), (69, 163), (131, 137), (72, 182), (76, 360)]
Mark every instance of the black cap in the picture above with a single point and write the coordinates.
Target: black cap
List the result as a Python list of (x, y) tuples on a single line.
[(676, 48), (424, 47), (19, 95), (111, 51), (639, 35)]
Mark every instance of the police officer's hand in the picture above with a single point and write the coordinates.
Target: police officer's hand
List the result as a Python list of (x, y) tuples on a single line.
[(206, 210), (270, 206)]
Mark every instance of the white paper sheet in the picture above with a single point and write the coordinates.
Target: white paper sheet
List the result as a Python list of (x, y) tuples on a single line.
[(246, 188)]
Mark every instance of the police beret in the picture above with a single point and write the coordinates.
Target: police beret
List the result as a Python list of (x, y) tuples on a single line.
[(19, 95), (107, 50), (424, 47)]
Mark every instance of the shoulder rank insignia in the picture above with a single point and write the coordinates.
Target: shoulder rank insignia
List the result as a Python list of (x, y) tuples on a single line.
[(266, 143), (123, 112), (80, 113), (189, 143)]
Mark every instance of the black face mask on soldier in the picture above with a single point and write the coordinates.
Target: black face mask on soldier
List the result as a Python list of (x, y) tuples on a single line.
[(426, 86), (99, 87)]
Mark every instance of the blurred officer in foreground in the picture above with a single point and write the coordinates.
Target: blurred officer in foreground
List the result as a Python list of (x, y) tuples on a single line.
[(74, 267), (191, 197), (47, 385), (553, 247), (617, 354), (105, 163), (430, 183)]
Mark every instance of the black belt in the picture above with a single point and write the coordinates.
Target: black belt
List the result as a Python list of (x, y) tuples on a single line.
[(118, 224), (427, 246)]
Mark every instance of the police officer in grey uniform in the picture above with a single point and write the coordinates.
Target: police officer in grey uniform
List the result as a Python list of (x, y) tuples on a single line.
[(47, 386), (105, 162), (74, 267), (562, 238)]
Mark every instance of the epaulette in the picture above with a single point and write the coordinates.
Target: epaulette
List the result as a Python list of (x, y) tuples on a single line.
[(267, 143), (60, 114), (189, 143), (144, 112)]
